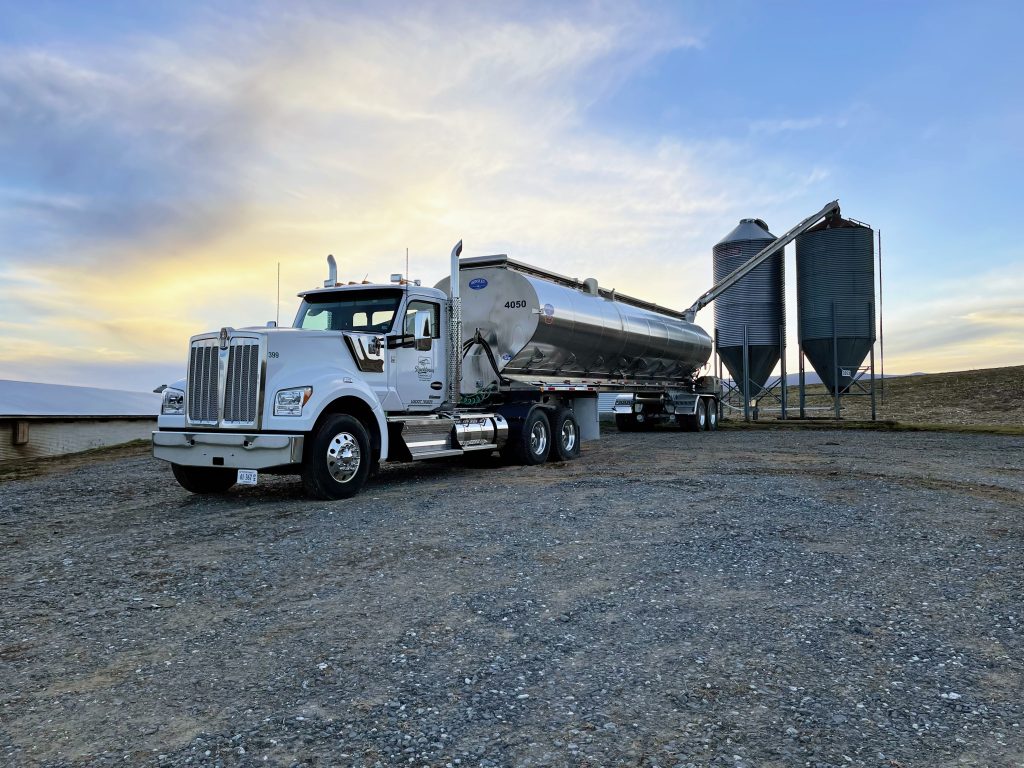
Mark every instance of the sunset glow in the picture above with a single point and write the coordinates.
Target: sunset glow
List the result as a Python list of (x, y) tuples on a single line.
[(159, 166)]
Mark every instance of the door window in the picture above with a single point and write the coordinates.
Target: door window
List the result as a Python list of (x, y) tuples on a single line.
[(434, 323)]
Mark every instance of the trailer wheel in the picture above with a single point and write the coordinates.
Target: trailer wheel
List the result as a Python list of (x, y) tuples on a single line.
[(204, 480), (693, 422), (566, 445), (532, 443), (711, 419), (338, 460), (626, 422)]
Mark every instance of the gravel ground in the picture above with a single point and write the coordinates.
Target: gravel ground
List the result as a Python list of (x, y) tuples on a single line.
[(747, 598)]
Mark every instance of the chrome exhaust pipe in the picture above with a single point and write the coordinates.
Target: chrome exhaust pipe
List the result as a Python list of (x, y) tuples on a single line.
[(332, 272), (455, 329)]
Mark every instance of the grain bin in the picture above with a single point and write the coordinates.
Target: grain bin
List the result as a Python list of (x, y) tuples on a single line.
[(835, 280), (753, 308)]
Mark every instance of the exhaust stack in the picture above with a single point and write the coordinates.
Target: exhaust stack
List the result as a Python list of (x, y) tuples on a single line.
[(332, 272), (455, 330)]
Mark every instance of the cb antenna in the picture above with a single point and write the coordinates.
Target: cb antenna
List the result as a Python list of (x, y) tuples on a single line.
[(278, 318)]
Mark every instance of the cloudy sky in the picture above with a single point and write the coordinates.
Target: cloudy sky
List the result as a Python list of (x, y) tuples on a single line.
[(158, 160)]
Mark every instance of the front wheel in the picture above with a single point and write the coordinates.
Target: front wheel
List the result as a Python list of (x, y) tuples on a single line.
[(204, 480), (566, 444), (338, 459)]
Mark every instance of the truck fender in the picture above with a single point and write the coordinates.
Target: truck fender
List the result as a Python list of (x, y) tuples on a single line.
[(369, 412)]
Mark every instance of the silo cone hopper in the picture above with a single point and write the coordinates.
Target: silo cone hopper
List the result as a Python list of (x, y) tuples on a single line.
[(820, 354), (762, 359)]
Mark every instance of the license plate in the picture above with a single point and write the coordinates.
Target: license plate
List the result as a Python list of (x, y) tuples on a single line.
[(247, 477)]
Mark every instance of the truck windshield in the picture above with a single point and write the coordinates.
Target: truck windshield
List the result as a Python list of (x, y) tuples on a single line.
[(372, 311)]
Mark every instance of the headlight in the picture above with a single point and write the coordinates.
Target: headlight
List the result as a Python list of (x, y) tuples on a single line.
[(174, 403), (289, 402)]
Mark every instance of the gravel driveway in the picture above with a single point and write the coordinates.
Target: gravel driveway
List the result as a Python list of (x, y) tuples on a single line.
[(745, 598)]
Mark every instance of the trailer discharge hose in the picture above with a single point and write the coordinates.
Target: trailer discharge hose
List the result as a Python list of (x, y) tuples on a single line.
[(478, 339)]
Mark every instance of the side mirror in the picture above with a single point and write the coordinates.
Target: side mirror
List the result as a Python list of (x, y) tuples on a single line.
[(421, 325)]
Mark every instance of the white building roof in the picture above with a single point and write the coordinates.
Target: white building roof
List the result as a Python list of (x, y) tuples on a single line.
[(29, 398)]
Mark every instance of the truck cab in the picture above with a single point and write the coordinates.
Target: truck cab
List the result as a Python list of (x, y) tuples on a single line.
[(406, 370), (255, 397)]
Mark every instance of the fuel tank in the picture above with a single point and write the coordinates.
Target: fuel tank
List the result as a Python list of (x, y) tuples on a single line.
[(542, 326)]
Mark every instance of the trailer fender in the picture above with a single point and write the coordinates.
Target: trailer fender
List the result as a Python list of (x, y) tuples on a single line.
[(515, 413)]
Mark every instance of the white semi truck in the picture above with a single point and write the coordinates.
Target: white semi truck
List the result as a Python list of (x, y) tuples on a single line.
[(499, 356)]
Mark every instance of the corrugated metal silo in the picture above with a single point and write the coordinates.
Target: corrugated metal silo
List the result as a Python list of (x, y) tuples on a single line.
[(835, 279), (756, 303)]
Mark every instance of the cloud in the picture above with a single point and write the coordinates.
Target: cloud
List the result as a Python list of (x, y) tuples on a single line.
[(773, 126), (969, 323), (154, 186)]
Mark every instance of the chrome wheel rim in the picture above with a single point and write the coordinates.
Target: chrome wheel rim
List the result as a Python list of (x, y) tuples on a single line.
[(702, 416), (343, 457), (568, 436), (713, 416), (538, 438)]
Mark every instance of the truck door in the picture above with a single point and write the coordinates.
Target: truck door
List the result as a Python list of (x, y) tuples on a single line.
[(420, 365)]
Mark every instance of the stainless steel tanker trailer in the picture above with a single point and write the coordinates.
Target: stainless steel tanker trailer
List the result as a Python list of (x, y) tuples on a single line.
[(499, 357), (526, 328)]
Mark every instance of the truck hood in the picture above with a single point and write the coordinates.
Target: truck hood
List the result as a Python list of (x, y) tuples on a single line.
[(291, 352)]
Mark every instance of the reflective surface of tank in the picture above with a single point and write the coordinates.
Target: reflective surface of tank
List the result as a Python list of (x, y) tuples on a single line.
[(835, 279), (539, 325), (756, 303)]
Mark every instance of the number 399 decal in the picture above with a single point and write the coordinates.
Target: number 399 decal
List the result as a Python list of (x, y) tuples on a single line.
[(515, 304)]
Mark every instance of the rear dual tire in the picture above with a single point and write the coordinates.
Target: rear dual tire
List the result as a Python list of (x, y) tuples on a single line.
[(543, 436), (706, 417), (626, 422), (711, 424), (566, 445), (531, 444), (632, 422)]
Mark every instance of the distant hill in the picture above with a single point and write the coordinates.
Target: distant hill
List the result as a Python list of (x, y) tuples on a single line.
[(993, 396)]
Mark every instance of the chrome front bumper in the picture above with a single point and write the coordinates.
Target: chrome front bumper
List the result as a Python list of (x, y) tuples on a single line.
[(227, 449)]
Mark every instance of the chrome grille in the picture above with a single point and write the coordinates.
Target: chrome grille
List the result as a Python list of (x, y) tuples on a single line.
[(202, 382), (224, 385), (241, 390)]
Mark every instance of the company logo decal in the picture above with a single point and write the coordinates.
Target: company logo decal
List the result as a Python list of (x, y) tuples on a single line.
[(424, 369), (477, 283)]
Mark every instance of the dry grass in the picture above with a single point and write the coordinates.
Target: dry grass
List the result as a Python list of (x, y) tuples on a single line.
[(986, 400), (983, 400)]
